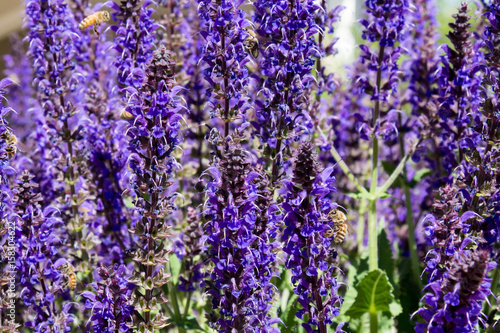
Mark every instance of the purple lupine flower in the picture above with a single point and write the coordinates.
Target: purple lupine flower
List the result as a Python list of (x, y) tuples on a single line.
[(154, 135), (110, 304), (286, 68), (39, 235), (224, 59), (307, 241), (135, 37), (239, 231)]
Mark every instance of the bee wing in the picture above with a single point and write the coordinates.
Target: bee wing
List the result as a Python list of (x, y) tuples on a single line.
[(23, 148), (350, 228)]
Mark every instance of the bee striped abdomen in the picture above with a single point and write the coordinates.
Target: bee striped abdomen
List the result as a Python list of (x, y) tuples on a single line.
[(94, 20)]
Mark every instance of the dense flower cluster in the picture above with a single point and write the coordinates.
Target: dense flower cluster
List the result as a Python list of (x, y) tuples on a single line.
[(239, 247), (287, 79), (38, 242), (387, 25), (307, 241), (225, 58), (154, 136), (135, 36), (111, 311), (172, 168)]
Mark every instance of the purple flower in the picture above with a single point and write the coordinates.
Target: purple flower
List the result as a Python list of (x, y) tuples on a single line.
[(135, 37), (240, 226), (110, 304), (155, 104), (39, 235), (289, 53), (306, 241), (225, 58)]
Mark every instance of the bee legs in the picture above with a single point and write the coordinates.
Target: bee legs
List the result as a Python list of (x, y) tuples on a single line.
[(96, 31)]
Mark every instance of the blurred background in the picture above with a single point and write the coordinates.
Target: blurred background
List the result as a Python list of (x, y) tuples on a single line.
[(11, 14)]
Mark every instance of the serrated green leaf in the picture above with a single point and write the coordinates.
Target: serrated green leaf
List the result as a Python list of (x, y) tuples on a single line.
[(175, 268), (388, 167), (374, 295), (395, 309)]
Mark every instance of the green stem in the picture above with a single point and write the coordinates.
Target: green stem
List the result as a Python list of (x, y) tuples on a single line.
[(175, 304), (372, 236), (361, 224), (373, 322), (411, 238), (186, 308), (346, 171), (412, 244), (394, 175), (372, 211)]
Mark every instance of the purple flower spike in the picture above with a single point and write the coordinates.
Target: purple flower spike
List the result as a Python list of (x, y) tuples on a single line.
[(241, 249), (306, 239)]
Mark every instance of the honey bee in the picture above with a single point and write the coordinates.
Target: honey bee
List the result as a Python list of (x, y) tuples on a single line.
[(251, 43), (11, 141), (94, 20), (68, 272), (125, 115), (341, 227)]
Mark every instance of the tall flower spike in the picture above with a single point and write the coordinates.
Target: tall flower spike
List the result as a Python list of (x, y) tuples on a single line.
[(39, 237), (241, 252), (111, 311), (290, 29), (225, 58), (8, 218), (308, 242), (386, 25), (154, 136), (135, 37)]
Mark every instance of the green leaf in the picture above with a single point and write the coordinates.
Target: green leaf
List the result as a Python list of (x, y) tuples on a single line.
[(385, 260), (290, 320), (190, 323), (408, 297), (421, 174), (383, 195), (175, 268), (360, 195), (389, 169), (374, 295)]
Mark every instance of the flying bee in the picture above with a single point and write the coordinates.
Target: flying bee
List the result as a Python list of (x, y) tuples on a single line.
[(341, 227), (94, 20), (251, 43), (11, 141), (68, 272)]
